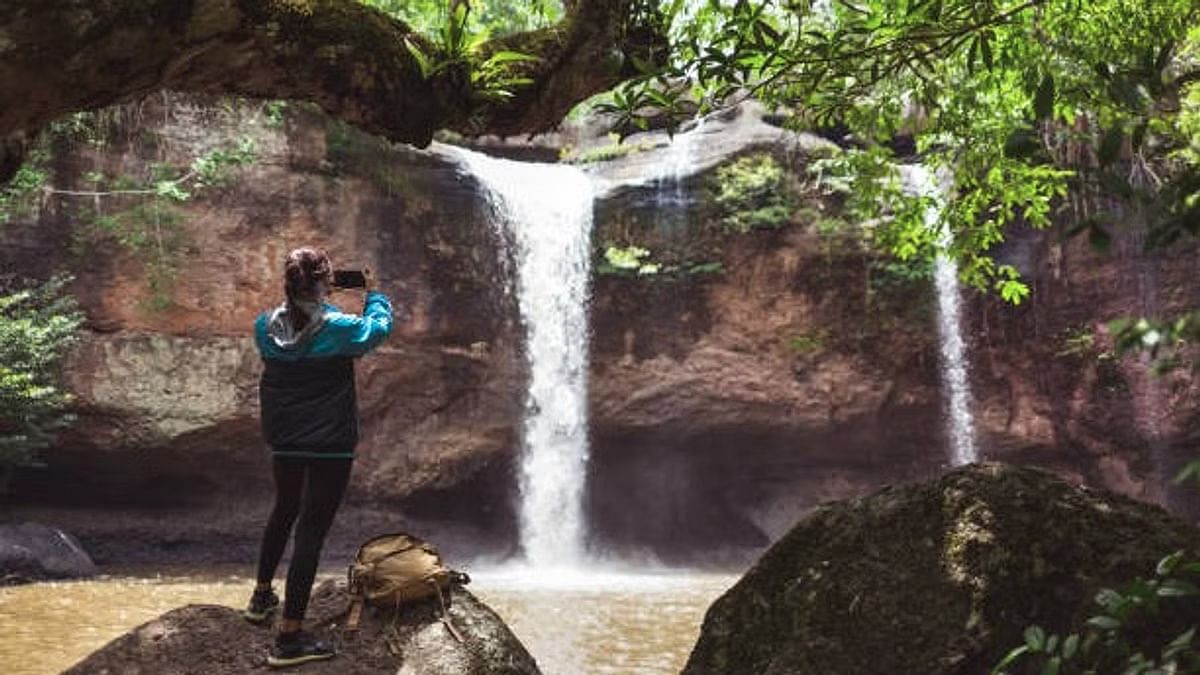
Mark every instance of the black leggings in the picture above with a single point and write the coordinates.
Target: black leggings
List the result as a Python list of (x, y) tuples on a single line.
[(311, 489)]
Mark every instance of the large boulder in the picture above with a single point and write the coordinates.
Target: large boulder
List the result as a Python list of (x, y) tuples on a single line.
[(216, 640), (33, 552), (934, 578)]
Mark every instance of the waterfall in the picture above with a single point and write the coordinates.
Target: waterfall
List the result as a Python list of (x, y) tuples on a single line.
[(672, 173), (547, 212), (960, 426)]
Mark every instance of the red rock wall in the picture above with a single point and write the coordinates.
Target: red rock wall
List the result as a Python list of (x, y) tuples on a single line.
[(722, 405)]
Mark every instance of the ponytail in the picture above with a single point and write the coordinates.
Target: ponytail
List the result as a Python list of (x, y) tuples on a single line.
[(304, 271)]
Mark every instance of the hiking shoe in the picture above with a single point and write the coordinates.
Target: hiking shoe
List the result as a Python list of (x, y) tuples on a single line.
[(298, 647), (262, 605)]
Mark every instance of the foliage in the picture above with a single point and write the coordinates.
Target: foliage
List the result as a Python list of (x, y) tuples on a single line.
[(142, 214), (751, 193), (37, 325), (457, 51), (1126, 635), (1170, 345), (486, 17), (1165, 341), (901, 275), (274, 111), (628, 260), (637, 261), (1016, 101), (1080, 342), (20, 194), (807, 342)]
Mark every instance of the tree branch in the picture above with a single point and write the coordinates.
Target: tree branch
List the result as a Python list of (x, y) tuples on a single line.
[(59, 56)]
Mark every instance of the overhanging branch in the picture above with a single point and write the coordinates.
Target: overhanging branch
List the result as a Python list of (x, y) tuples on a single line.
[(60, 56)]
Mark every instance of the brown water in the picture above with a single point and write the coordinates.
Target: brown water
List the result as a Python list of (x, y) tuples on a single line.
[(572, 624)]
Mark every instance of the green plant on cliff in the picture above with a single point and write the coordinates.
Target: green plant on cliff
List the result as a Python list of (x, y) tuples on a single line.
[(457, 49), (38, 323), (143, 213), (628, 260), (1141, 629), (751, 193), (20, 194)]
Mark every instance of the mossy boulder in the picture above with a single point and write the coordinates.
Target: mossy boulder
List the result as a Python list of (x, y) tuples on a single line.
[(934, 578), (217, 641)]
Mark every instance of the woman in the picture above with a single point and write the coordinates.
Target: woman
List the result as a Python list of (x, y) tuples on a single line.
[(310, 420)]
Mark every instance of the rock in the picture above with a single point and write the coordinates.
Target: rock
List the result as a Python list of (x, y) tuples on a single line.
[(216, 641), (165, 388), (935, 578), (33, 552), (800, 371)]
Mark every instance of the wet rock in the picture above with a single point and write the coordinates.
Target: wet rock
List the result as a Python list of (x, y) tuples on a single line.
[(935, 578), (34, 552), (217, 641)]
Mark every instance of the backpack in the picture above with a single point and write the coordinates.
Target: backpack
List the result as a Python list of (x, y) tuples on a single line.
[(392, 570)]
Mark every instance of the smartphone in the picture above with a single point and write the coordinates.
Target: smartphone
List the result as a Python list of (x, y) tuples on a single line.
[(349, 279)]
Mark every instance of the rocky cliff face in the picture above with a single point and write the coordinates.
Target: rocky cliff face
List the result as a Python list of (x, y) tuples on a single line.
[(753, 376), (167, 386), (808, 369), (1052, 391)]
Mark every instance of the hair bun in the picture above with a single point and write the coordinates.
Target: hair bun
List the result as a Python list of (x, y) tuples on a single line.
[(303, 270)]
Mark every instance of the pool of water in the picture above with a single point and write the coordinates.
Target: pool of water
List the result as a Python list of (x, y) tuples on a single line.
[(572, 622)]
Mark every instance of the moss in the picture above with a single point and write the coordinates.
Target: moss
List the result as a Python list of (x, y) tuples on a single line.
[(750, 193), (937, 578)]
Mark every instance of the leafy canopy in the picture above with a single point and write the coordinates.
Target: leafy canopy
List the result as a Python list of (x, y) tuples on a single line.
[(485, 17), (1041, 111), (37, 325)]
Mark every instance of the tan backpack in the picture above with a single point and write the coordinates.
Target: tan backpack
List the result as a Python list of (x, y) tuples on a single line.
[(392, 570)]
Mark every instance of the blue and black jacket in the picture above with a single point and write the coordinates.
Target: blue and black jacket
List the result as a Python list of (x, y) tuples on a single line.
[(306, 393)]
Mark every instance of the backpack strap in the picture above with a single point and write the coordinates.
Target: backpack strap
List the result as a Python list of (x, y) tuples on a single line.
[(354, 610), (355, 613), (444, 616)]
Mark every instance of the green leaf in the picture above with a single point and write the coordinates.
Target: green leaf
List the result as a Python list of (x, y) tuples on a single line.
[(1053, 665), (1184, 639), (1168, 564), (1104, 622), (1013, 291), (510, 57), (1035, 638), (1176, 588), (1070, 646), (1010, 658), (1192, 470), (423, 61)]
